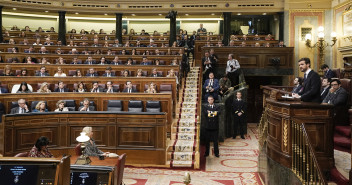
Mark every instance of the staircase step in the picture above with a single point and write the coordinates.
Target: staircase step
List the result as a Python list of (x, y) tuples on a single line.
[(337, 177), (343, 130), (182, 163), (342, 141)]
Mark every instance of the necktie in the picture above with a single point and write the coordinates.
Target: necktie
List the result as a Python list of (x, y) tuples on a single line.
[(91, 75), (41, 74), (22, 111), (129, 90), (108, 75), (212, 106), (211, 82), (305, 77)]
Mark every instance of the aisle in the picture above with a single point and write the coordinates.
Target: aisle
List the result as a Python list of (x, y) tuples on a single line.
[(237, 165)]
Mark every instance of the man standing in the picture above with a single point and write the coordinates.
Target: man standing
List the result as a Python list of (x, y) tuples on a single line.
[(327, 71), (208, 65), (311, 83), (240, 109), (211, 87), (211, 112), (201, 30), (232, 70)]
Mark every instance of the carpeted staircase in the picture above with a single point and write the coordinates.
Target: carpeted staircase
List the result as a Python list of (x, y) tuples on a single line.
[(183, 151), (342, 142)]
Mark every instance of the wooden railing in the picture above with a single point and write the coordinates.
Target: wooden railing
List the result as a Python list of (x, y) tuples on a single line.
[(263, 129), (304, 161)]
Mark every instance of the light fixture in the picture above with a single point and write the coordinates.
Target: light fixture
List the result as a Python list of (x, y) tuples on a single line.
[(264, 13), (105, 14), (76, 13), (133, 14), (83, 159), (212, 13), (321, 44), (187, 178), (46, 11), (160, 14), (186, 14), (239, 14), (14, 8)]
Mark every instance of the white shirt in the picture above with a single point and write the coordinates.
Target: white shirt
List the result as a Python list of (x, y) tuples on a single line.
[(307, 72), (234, 63), (58, 75)]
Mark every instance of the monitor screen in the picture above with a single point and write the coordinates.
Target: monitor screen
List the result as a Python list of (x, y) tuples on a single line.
[(83, 178), (18, 174)]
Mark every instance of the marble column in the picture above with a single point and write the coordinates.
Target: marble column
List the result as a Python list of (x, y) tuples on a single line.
[(281, 25), (172, 29), (118, 33), (227, 28), (62, 27)]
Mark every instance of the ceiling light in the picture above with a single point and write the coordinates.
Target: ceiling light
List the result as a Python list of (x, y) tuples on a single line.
[(160, 14), (239, 14), (14, 8), (46, 11), (76, 13), (186, 14), (105, 14), (264, 13), (133, 14), (213, 14)]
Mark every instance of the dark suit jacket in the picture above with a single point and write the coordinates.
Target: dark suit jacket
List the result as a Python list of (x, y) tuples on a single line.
[(311, 88), (114, 90), (329, 74), (211, 123), (133, 90), (100, 90), (212, 63), (325, 93), (296, 89), (93, 62), (95, 74), (111, 74), (338, 98), (3, 90), (215, 86), (16, 110), (239, 106), (58, 90), (157, 75), (38, 74), (91, 108)]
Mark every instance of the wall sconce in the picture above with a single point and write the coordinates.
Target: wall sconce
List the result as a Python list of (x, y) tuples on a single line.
[(321, 44)]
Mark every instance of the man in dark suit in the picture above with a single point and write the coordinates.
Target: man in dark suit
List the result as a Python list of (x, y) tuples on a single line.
[(42, 72), (108, 72), (129, 88), (201, 30), (22, 107), (240, 109), (211, 87), (30, 50), (117, 43), (211, 112), (311, 83), (96, 88), (145, 61), (325, 84), (155, 73), (337, 95), (61, 87), (3, 90), (92, 73), (90, 61), (86, 106), (327, 71), (208, 64), (109, 88)]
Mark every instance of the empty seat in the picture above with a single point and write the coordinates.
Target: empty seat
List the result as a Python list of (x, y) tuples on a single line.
[(135, 106), (165, 88), (114, 105), (153, 106), (70, 104)]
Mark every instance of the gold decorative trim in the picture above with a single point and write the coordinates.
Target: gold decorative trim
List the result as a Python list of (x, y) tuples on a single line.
[(285, 134), (341, 5), (308, 10)]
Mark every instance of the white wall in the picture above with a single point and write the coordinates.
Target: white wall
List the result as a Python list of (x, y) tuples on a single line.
[(33, 22)]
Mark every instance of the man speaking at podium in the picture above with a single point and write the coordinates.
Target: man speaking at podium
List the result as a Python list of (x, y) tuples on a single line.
[(311, 83)]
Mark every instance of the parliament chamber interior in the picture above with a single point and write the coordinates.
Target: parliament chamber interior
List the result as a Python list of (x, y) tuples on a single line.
[(175, 92)]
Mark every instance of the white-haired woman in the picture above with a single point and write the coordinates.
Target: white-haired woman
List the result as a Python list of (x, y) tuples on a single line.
[(91, 148)]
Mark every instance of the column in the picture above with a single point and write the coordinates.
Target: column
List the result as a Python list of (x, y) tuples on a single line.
[(62, 27), (1, 37), (227, 28), (281, 25), (172, 27), (118, 33)]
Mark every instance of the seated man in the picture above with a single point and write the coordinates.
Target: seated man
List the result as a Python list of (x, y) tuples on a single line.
[(96, 88), (109, 88), (75, 61), (155, 73), (145, 61), (42, 72), (43, 50), (117, 43), (90, 61), (92, 73), (61, 87), (86, 106), (96, 43), (22, 107), (211, 87), (337, 95), (3, 90), (129, 88), (108, 72), (325, 84), (327, 71)]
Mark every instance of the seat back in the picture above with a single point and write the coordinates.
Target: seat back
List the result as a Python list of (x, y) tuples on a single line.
[(165, 88), (135, 106), (153, 106), (70, 104), (120, 168), (337, 72), (114, 105), (23, 154), (346, 84), (78, 150)]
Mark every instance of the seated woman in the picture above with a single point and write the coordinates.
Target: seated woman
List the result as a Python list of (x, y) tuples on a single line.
[(129, 62), (59, 73), (172, 74), (23, 88), (139, 73), (91, 148), (151, 88), (40, 107), (78, 73), (60, 105), (40, 149), (23, 72), (8, 71), (44, 88), (80, 88), (125, 73), (44, 61)]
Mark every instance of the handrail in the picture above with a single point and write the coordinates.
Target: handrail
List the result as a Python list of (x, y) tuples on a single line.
[(304, 161), (263, 129)]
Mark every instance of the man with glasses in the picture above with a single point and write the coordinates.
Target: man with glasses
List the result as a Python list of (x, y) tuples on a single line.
[(86, 106), (109, 88), (337, 95), (21, 109)]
